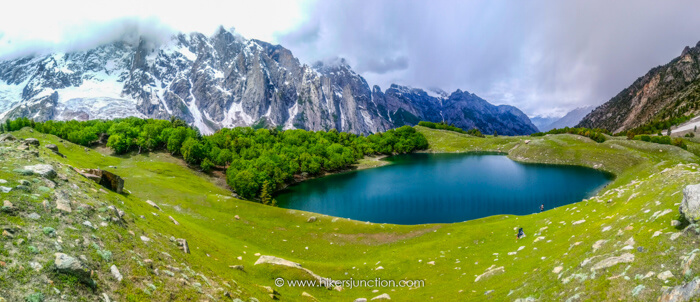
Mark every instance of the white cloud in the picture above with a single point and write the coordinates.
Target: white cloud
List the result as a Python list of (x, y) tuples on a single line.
[(31, 26)]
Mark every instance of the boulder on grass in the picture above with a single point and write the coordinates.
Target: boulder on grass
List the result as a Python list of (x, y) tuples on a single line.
[(690, 206), (71, 266)]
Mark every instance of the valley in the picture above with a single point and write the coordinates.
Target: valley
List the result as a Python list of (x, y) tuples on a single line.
[(568, 251)]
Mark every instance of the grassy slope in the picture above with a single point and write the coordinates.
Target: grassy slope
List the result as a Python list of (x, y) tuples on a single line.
[(649, 179)]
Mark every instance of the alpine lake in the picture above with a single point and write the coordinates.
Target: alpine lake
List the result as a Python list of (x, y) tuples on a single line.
[(424, 188)]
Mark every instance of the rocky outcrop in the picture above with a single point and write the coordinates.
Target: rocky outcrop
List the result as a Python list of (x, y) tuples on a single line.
[(225, 80), (107, 179), (663, 92), (681, 293), (690, 206)]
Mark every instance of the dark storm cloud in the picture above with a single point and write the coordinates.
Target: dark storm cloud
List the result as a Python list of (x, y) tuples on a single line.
[(546, 57)]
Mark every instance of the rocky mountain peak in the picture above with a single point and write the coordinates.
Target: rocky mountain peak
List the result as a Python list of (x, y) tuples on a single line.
[(225, 80)]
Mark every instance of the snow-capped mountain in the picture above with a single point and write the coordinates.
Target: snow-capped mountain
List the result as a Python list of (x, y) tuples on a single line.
[(225, 81)]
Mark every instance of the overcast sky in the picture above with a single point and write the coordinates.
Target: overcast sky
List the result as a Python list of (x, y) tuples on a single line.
[(545, 57)]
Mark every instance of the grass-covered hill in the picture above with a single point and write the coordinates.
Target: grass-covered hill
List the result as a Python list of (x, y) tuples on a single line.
[(618, 245)]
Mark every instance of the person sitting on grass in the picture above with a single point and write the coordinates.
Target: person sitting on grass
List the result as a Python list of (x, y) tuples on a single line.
[(521, 233)]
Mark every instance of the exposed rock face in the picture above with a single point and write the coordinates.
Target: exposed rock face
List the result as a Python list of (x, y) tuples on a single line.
[(681, 293), (664, 89), (107, 179), (690, 206), (226, 80)]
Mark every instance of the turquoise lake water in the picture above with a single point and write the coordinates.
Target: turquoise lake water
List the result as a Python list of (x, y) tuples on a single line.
[(443, 188)]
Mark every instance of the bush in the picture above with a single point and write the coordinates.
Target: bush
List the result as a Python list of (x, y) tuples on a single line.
[(206, 165)]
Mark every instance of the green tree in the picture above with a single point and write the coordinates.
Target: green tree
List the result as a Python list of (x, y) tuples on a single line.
[(265, 197), (206, 165), (244, 184), (192, 151), (118, 143)]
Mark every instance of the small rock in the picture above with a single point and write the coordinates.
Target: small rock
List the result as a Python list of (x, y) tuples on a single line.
[(88, 224), (115, 273), (46, 171), (675, 223), (308, 296), (665, 275), (32, 141), (153, 204), (493, 270), (63, 205), (557, 269), (311, 219), (360, 300), (33, 216), (431, 262), (5, 189), (237, 218), (22, 188), (173, 220), (381, 297), (145, 239), (598, 244), (237, 267), (71, 266), (624, 258), (52, 147)]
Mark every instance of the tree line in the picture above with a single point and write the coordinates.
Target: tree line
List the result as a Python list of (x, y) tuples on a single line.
[(445, 126), (597, 135), (257, 162)]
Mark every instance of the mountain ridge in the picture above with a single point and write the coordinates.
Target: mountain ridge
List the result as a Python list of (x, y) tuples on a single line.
[(225, 81), (664, 92)]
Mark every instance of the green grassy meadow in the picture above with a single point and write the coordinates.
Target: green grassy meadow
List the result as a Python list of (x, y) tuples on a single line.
[(640, 202)]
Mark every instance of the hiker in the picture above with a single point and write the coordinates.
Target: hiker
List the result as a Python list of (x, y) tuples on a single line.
[(542, 208), (521, 233)]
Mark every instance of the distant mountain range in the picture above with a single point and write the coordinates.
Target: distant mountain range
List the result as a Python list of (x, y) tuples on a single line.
[(571, 119), (226, 80), (665, 92)]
